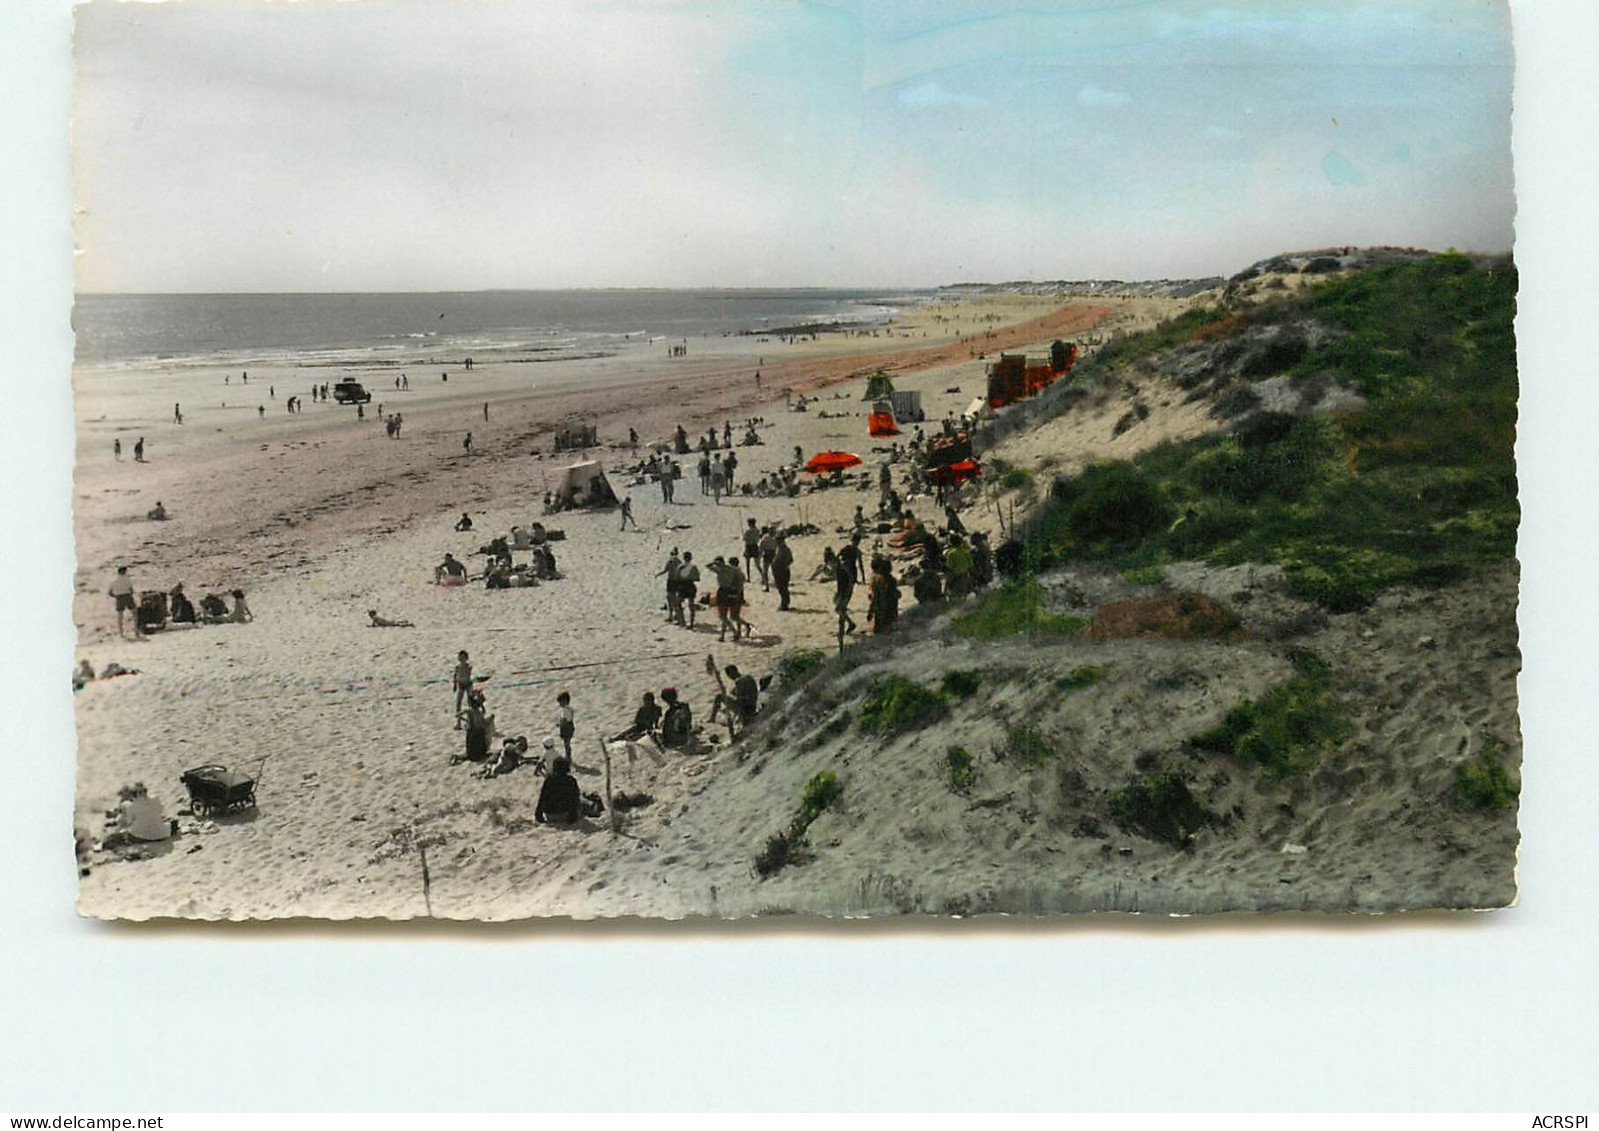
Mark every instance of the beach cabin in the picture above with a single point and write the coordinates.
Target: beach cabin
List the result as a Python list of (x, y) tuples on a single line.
[(878, 387), (584, 485), (1062, 356), (1007, 380), (907, 406), (881, 421)]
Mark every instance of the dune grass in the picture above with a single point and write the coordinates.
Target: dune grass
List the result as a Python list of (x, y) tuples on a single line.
[(1412, 490), (1285, 731), (896, 705), (1014, 608)]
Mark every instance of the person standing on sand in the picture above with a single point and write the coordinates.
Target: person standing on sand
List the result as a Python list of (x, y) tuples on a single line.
[(718, 480), (461, 681), (177, 414), (138, 451), (485, 412), (768, 548), (360, 412), (466, 444), (121, 592), (566, 721), (782, 570), (752, 547), (116, 448), (688, 586), (883, 607), (674, 596), (705, 473), (843, 593), (627, 513), (728, 465)]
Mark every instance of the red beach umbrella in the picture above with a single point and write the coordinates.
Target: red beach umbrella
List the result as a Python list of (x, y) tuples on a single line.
[(824, 462)]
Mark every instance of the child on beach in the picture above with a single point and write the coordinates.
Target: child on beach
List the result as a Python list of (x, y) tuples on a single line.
[(461, 681), (566, 722)]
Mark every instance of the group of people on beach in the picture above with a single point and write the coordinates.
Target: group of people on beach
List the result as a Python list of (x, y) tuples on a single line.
[(155, 609)]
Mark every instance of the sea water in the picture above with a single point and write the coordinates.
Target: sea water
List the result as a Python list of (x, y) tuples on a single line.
[(352, 329)]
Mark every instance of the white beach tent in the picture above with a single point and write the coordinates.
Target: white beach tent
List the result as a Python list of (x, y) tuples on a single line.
[(584, 485)]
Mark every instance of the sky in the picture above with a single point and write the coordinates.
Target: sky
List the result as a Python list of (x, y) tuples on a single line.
[(394, 145)]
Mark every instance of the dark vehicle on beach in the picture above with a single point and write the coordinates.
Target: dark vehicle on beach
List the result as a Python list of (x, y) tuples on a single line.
[(351, 392)]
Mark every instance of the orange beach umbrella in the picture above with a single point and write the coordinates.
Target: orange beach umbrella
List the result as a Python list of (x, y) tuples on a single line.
[(823, 462)]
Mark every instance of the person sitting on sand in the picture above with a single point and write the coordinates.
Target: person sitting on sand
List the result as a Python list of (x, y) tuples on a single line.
[(138, 818), (449, 568), (157, 513), (384, 622), (560, 800), (213, 608), (742, 702), (465, 522), (646, 720), (241, 612), (83, 676), (677, 724), (182, 608)]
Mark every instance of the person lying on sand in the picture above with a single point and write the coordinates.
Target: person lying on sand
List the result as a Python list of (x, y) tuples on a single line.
[(560, 801), (384, 622), (512, 754)]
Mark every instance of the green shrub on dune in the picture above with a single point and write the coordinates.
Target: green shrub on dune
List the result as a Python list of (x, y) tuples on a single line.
[(1161, 808), (1284, 731), (897, 704), (1013, 608), (1482, 781), (1413, 489)]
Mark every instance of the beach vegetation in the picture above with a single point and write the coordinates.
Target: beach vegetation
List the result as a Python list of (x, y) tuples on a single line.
[(793, 667), (961, 683), (1160, 807), (896, 705), (820, 792), (1482, 781), (1016, 607), (1079, 678), (1413, 489), (1026, 746), (789, 846), (1285, 731), (1016, 479), (960, 768)]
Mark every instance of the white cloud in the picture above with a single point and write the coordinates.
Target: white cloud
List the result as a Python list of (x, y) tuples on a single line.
[(931, 94), (1090, 95)]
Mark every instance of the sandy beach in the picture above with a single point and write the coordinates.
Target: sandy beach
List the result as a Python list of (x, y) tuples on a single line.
[(319, 517), (348, 729)]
